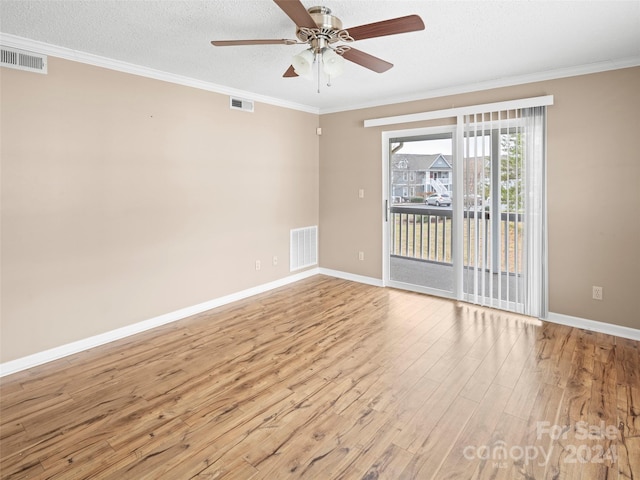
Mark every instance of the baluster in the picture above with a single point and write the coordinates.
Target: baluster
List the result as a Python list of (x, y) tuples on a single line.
[(444, 239), (437, 237), (406, 238), (414, 235), (421, 237), (428, 237)]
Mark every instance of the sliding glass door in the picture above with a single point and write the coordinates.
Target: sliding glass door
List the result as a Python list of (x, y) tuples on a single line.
[(465, 213), (420, 211), (503, 233)]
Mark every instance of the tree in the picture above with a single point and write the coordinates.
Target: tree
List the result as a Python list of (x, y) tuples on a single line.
[(511, 182), (511, 185)]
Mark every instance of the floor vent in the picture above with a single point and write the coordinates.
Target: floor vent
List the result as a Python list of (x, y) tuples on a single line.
[(304, 248), (241, 104), (21, 60)]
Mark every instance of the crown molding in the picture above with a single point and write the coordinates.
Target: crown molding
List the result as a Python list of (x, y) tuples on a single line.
[(96, 60), (575, 71), (22, 43)]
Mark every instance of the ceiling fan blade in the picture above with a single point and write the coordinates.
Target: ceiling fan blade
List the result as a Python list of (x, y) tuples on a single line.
[(274, 41), (367, 61), (410, 23), (296, 12), (290, 72)]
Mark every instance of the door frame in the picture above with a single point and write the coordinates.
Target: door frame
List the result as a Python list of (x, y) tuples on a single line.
[(386, 206)]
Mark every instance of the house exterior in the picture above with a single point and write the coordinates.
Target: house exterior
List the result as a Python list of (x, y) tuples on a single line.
[(415, 176)]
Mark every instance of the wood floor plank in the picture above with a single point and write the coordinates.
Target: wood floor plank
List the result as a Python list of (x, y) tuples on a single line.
[(331, 379), (397, 383), (475, 436), (499, 462), (20, 407), (628, 449), (431, 451), (544, 416), (23, 470), (76, 461), (389, 465), (419, 427), (562, 356), (604, 435), (627, 368), (277, 427), (574, 410), (373, 451), (235, 469), (11, 385), (514, 365), (308, 450), (492, 361), (525, 391)]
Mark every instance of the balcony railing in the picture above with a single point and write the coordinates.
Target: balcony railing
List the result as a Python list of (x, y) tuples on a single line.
[(424, 233)]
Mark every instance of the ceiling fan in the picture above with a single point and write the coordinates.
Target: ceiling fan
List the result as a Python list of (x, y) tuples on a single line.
[(321, 31)]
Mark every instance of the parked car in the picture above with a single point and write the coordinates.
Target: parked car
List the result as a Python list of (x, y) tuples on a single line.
[(439, 199)]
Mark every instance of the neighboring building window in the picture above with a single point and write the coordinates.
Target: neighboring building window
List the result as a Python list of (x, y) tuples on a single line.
[(404, 176), (412, 176)]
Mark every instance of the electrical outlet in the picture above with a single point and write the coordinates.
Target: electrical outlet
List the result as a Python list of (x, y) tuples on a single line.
[(275, 261), (360, 256), (258, 265), (597, 293)]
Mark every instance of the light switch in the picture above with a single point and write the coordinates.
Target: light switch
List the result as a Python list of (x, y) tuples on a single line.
[(361, 193)]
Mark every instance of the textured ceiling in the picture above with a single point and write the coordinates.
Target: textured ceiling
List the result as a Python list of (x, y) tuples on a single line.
[(465, 43)]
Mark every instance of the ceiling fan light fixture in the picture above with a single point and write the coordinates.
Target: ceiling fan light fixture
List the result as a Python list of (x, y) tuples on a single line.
[(320, 30), (332, 63), (303, 62)]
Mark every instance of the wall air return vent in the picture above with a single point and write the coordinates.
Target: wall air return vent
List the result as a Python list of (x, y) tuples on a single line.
[(304, 248), (240, 104), (22, 60)]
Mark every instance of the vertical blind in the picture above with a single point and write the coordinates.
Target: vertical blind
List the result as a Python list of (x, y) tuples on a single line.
[(504, 207)]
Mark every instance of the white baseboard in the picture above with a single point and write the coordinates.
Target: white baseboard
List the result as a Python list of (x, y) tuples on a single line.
[(376, 282), (55, 353), (583, 323), (592, 325), (46, 356)]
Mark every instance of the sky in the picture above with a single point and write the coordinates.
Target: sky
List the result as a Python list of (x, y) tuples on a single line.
[(426, 147), (445, 146)]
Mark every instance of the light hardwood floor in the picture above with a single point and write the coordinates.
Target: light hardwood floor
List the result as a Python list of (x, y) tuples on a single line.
[(330, 379)]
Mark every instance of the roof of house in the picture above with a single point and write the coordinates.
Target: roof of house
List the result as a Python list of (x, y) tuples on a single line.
[(413, 161)]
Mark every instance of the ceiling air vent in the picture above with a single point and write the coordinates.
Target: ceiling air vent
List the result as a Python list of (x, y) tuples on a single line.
[(14, 58), (241, 104)]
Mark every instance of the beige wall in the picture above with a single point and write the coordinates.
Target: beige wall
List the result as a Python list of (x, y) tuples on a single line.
[(124, 198), (593, 189)]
